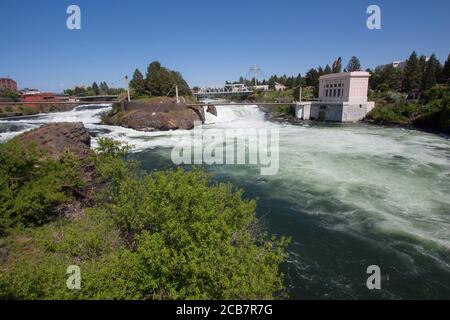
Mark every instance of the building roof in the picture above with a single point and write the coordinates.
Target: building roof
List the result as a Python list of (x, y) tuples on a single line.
[(354, 74)]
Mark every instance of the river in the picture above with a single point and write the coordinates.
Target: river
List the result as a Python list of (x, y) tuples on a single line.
[(349, 196)]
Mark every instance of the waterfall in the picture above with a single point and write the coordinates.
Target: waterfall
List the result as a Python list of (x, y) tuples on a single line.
[(230, 114)]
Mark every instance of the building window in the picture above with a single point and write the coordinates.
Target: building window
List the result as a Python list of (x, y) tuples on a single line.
[(334, 93)]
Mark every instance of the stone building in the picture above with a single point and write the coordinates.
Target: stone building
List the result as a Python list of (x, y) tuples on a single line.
[(342, 98)]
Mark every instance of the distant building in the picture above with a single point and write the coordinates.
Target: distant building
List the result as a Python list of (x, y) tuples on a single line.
[(279, 86), (396, 64), (342, 98), (261, 87), (39, 97), (8, 84)]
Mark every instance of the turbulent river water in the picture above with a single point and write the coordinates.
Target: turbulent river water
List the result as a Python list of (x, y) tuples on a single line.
[(349, 196)]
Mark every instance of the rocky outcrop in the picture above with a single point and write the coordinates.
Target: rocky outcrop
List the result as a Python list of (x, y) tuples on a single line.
[(212, 110), (144, 120), (56, 138)]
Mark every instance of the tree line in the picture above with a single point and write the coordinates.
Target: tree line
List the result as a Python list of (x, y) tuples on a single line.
[(418, 75), (311, 78), (158, 81), (94, 90)]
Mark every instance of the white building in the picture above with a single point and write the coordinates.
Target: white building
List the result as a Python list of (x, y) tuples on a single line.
[(261, 87), (279, 86), (342, 98)]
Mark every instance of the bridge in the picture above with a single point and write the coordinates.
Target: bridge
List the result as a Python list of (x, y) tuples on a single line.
[(228, 90)]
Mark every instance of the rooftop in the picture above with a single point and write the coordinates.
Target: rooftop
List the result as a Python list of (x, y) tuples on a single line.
[(354, 74)]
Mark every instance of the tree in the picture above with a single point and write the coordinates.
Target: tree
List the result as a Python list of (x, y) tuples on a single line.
[(337, 65), (312, 79), (389, 78), (320, 71), (327, 69), (138, 83), (95, 88), (413, 75), (446, 71), (161, 81), (104, 89), (353, 65), (431, 73), (9, 95), (79, 91)]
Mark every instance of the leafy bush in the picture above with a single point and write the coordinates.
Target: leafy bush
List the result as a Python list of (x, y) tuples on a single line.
[(432, 112), (28, 110), (112, 117), (385, 114), (164, 235), (33, 185)]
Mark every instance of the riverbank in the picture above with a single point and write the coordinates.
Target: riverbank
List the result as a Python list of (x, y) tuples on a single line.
[(65, 204), (286, 114), (11, 111)]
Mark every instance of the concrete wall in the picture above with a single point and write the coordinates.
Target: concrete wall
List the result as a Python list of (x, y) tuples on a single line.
[(153, 107), (303, 110), (326, 112), (337, 112)]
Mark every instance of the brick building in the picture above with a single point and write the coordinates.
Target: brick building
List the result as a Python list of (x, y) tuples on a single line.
[(8, 84)]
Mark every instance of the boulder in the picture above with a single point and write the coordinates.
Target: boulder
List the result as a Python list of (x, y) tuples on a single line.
[(55, 138), (58, 137), (143, 120), (212, 110)]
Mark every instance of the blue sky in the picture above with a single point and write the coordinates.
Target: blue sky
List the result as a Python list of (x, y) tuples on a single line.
[(208, 41)]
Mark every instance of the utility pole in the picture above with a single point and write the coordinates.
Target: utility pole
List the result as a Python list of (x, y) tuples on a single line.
[(176, 94), (128, 88), (255, 70), (300, 97)]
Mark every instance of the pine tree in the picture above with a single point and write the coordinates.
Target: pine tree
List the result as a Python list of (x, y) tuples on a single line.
[(95, 88), (446, 72), (432, 70), (353, 65), (327, 69), (389, 78), (104, 89), (320, 71), (138, 83), (413, 75)]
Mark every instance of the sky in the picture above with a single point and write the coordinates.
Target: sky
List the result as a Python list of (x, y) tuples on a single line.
[(208, 41)]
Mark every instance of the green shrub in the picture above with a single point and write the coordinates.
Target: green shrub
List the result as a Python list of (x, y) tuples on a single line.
[(34, 185), (28, 110), (164, 235)]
